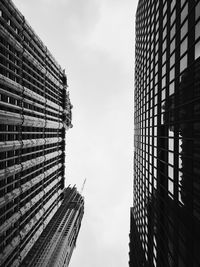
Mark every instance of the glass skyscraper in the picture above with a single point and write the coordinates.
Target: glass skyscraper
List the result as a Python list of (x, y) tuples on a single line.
[(165, 217)]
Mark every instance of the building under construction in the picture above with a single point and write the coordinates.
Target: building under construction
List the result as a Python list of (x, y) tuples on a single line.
[(35, 112)]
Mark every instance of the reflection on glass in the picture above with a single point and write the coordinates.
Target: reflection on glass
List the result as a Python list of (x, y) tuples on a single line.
[(171, 88), (184, 12), (197, 30), (163, 94), (171, 158), (197, 11), (183, 63), (164, 70), (172, 75), (171, 144), (184, 29), (163, 82), (182, 2), (155, 180), (184, 46), (172, 60), (170, 187), (172, 32), (173, 14), (179, 197), (164, 33), (171, 172)]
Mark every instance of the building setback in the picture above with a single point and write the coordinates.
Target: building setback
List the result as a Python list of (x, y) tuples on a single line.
[(56, 243), (35, 112), (165, 217)]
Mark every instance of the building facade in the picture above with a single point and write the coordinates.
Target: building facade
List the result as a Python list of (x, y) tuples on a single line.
[(165, 217), (56, 243), (35, 112)]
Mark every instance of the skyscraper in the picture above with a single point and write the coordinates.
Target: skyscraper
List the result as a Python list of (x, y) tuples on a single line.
[(165, 217), (35, 112), (56, 243)]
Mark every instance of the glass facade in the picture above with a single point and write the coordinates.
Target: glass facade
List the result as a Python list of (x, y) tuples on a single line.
[(165, 218)]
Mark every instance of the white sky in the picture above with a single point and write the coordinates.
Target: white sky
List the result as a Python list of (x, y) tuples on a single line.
[(94, 41)]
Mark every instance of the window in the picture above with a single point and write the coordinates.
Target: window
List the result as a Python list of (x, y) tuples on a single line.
[(197, 30), (184, 46), (172, 46), (183, 63), (172, 32), (184, 13), (197, 50), (184, 29), (172, 74), (197, 11), (172, 60), (170, 187), (173, 3), (171, 88)]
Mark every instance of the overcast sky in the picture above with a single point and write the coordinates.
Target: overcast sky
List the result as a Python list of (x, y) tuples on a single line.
[(94, 41)]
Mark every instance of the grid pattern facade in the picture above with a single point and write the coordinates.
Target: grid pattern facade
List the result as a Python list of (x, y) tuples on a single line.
[(56, 243), (35, 112), (166, 204)]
